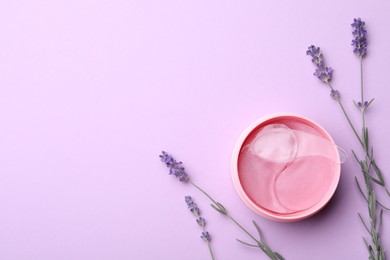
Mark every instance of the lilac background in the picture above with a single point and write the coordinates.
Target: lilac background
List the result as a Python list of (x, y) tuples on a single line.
[(92, 91)]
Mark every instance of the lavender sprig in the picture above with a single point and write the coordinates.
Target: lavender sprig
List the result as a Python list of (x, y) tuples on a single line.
[(360, 41), (360, 49), (177, 169), (322, 72), (376, 251), (201, 222)]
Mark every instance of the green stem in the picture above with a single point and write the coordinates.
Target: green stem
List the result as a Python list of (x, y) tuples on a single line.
[(371, 198), (242, 228), (272, 255), (211, 251), (209, 245), (361, 80), (205, 193), (347, 117), (349, 121), (369, 156), (363, 108), (215, 202)]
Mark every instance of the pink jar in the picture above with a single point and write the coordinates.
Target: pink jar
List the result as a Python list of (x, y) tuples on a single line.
[(285, 167)]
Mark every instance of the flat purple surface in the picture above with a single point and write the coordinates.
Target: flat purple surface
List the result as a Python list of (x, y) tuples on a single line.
[(92, 91)]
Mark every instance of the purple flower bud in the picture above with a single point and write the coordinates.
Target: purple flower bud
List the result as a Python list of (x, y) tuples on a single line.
[(335, 94), (195, 210), (206, 236), (362, 106), (360, 41), (175, 168), (201, 221), (316, 55), (322, 72), (166, 158), (358, 23), (188, 200), (192, 206), (184, 178)]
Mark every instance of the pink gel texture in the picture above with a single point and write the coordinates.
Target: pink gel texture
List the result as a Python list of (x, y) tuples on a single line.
[(290, 185)]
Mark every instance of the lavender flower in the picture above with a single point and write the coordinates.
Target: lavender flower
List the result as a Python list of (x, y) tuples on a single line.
[(362, 106), (316, 55), (192, 206), (206, 236), (368, 164), (335, 94), (322, 72), (201, 221), (175, 168), (360, 41), (188, 200)]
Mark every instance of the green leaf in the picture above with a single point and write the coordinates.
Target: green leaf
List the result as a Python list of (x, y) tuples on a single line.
[(268, 251), (360, 189), (367, 178), (376, 181), (258, 230), (372, 207), (369, 248), (369, 102), (371, 251), (217, 209), (365, 242), (245, 243), (380, 220), (380, 204), (356, 105), (354, 154), (358, 160), (279, 256), (365, 138), (221, 207), (381, 254), (370, 156), (378, 173), (364, 223), (374, 237), (361, 192)]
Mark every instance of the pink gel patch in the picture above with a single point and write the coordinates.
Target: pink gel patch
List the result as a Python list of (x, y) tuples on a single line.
[(304, 183)]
